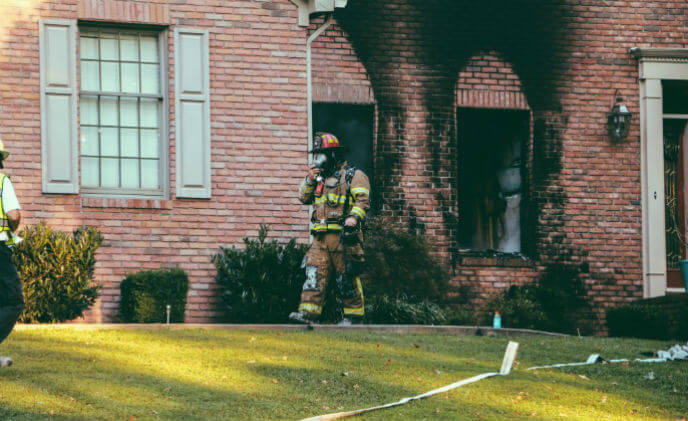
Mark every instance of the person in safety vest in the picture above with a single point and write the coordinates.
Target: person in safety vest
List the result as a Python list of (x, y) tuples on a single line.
[(340, 195), (11, 299)]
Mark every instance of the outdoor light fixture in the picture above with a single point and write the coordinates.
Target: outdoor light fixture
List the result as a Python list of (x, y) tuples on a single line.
[(619, 119)]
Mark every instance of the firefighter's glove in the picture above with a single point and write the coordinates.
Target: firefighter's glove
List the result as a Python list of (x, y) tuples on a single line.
[(349, 234)]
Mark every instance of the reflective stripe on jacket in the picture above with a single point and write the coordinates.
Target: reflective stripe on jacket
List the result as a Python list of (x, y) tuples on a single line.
[(336, 203)]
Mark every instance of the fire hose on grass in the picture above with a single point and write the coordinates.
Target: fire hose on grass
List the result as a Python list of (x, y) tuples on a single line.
[(677, 352)]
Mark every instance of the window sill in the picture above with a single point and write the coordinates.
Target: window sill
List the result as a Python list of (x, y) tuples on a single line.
[(106, 202), (503, 260)]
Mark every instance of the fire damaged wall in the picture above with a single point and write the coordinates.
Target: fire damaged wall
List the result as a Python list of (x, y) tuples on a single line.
[(413, 51)]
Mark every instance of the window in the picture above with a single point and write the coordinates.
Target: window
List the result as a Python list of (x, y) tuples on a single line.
[(492, 177), (121, 101)]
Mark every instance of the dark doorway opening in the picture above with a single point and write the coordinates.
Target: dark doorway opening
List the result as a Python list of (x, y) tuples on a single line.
[(353, 125), (492, 179)]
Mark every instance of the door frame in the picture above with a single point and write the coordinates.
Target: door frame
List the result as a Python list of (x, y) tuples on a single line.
[(655, 65)]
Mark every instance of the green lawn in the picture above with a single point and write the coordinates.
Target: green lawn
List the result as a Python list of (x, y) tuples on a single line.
[(68, 374)]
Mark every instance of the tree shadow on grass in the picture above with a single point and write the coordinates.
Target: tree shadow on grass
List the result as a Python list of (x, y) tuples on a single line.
[(121, 386), (73, 390), (108, 391), (77, 386)]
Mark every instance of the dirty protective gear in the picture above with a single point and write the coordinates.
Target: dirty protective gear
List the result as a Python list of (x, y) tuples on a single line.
[(345, 194), (350, 234), (327, 258), (349, 321), (300, 317)]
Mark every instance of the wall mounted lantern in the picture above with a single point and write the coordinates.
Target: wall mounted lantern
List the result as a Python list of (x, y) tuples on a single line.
[(619, 119)]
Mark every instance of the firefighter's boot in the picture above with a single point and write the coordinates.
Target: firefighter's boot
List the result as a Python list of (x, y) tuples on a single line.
[(300, 317), (349, 321)]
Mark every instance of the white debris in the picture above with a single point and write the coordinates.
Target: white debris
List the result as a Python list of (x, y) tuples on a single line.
[(676, 352)]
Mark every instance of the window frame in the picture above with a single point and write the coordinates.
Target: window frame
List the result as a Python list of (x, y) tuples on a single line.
[(526, 206), (161, 32)]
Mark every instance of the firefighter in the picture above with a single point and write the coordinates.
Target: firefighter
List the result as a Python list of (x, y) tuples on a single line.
[(340, 195), (11, 299)]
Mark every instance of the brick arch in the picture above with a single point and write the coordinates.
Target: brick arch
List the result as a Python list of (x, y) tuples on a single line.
[(338, 73), (487, 80)]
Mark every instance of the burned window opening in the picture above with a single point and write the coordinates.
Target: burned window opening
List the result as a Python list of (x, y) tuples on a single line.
[(493, 153)]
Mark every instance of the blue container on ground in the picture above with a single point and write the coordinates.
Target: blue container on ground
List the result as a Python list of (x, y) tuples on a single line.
[(683, 264), (497, 321)]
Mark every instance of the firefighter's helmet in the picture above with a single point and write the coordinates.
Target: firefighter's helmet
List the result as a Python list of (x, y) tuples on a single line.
[(323, 142), (3, 153)]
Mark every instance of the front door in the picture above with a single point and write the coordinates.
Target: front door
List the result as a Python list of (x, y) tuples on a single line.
[(674, 196)]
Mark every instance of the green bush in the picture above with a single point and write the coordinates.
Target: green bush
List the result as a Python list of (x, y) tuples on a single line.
[(144, 296), (404, 283), (660, 318), (638, 321), (262, 282), (57, 272), (400, 264), (459, 316), (387, 310), (517, 307), (555, 302)]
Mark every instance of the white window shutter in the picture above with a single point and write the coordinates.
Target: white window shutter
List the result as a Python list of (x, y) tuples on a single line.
[(192, 113), (59, 153)]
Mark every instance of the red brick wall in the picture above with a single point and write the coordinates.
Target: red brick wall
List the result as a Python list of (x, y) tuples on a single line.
[(561, 59), (258, 93), (487, 81)]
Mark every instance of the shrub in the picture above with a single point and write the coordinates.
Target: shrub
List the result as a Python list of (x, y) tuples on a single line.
[(660, 318), (262, 282), (553, 303), (517, 307), (459, 316), (144, 296), (400, 264), (57, 272), (397, 310), (404, 283)]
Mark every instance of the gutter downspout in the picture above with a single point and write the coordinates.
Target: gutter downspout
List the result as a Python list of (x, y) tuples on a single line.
[(309, 99), (309, 78)]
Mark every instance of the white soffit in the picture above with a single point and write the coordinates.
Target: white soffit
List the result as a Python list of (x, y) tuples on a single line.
[(308, 7)]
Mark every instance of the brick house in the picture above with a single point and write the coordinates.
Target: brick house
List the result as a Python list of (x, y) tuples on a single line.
[(177, 126)]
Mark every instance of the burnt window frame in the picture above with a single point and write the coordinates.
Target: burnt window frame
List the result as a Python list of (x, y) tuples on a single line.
[(527, 224)]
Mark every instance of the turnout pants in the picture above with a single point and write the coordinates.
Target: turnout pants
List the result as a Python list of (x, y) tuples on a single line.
[(11, 299), (327, 258)]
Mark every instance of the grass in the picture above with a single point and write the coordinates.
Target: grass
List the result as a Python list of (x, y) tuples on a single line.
[(68, 374)]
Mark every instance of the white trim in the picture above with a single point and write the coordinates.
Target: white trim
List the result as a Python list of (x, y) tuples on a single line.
[(675, 290), (655, 65), (676, 116)]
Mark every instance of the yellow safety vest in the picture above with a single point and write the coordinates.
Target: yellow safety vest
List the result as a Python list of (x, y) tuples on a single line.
[(3, 217)]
